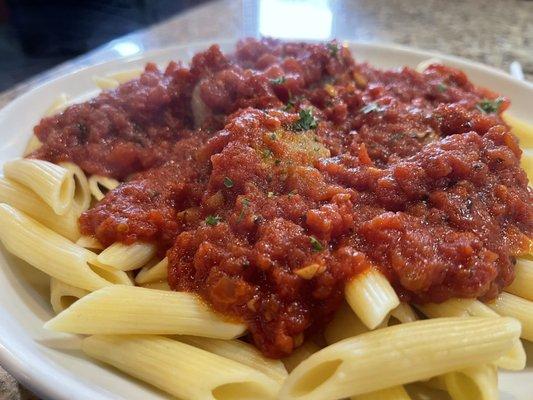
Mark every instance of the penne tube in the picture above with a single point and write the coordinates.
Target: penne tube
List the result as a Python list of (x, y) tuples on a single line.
[(48, 251), (404, 313), (89, 242), (82, 194), (25, 200), (526, 162), (126, 310), (300, 354), (514, 360), (126, 257), (513, 306), (402, 354), (58, 105), (522, 285), (163, 285), (393, 393), (33, 144), (63, 295), (521, 129), (184, 371), (241, 352), (155, 273), (345, 324), (105, 83), (52, 183), (126, 75), (100, 185), (473, 383), (371, 297)]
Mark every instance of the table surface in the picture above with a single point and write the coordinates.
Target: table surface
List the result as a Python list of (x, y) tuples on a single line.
[(494, 33)]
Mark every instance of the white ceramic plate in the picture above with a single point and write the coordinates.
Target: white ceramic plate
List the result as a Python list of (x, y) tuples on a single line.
[(49, 363)]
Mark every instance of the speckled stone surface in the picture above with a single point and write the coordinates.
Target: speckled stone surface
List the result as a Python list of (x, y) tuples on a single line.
[(495, 33)]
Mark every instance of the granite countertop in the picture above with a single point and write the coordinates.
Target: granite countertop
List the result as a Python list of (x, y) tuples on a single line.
[(494, 33)]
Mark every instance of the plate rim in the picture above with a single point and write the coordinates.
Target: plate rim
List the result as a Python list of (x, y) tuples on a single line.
[(42, 381)]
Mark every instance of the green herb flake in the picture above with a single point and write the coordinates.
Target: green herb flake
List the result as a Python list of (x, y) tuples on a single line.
[(306, 121), (228, 182), (315, 244), (441, 87), (246, 202), (333, 49), (487, 106), (289, 106), (372, 107), (278, 81), (212, 220), (277, 161), (267, 153), (273, 136)]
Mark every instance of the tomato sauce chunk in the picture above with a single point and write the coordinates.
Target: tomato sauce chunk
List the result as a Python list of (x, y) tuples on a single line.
[(272, 176)]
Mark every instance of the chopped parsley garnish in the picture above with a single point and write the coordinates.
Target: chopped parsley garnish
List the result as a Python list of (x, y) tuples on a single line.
[(315, 244), (289, 106), (487, 106), (277, 161), (212, 220), (267, 153), (441, 87), (333, 49), (228, 182), (273, 136), (278, 81), (372, 107), (245, 203), (307, 121)]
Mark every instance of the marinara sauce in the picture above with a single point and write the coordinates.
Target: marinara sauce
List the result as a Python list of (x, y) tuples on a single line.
[(271, 176)]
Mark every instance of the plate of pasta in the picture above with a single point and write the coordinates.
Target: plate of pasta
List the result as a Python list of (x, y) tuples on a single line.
[(270, 220)]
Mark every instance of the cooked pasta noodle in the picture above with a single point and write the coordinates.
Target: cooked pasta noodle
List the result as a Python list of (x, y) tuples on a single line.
[(63, 295), (428, 348), (99, 185), (371, 297), (134, 310), (52, 183), (180, 369)]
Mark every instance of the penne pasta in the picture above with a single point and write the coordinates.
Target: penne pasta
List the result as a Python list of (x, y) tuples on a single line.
[(402, 353), (134, 310), (126, 75), (155, 273), (63, 295), (182, 370), (100, 185), (371, 297), (25, 200), (345, 324), (82, 195), (33, 144), (127, 257), (57, 105), (404, 313), (162, 285), (522, 285), (241, 352), (105, 83), (473, 383), (300, 354), (52, 183), (89, 242), (393, 393), (50, 252), (514, 360), (522, 130), (513, 306)]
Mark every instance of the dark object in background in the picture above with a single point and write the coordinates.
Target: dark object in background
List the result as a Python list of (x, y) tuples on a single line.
[(38, 34)]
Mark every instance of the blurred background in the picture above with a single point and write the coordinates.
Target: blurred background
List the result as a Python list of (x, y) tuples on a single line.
[(36, 35)]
